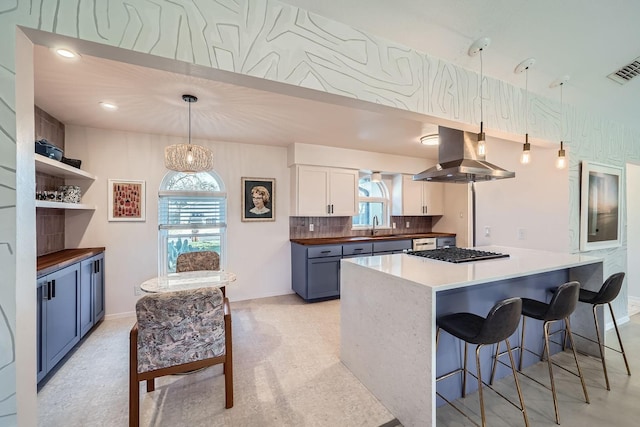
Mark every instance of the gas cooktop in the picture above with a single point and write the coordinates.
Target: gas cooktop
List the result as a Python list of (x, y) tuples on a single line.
[(458, 255)]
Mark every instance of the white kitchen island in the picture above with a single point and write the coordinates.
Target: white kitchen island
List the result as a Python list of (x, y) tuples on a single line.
[(389, 305)]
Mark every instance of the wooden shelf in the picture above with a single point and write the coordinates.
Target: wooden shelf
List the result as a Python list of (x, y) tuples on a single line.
[(56, 168), (60, 205)]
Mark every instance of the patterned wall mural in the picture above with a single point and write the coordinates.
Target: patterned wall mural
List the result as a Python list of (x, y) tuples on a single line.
[(266, 39)]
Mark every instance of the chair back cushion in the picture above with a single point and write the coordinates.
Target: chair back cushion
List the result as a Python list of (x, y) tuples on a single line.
[(610, 289), (179, 327), (563, 302), (198, 261), (501, 321)]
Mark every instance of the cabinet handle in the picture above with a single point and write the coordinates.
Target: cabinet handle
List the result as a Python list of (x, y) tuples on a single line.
[(53, 287), (358, 249), (96, 266), (48, 291), (325, 252), (328, 209), (426, 209), (331, 208)]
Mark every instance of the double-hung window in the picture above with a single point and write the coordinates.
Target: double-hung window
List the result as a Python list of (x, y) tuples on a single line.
[(373, 204), (192, 216)]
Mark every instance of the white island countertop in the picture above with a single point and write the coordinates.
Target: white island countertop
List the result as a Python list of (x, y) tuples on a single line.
[(441, 275), (389, 304)]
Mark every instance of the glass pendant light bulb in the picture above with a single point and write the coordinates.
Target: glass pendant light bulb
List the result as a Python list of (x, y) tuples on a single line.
[(189, 156), (482, 147), (561, 161), (525, 158)]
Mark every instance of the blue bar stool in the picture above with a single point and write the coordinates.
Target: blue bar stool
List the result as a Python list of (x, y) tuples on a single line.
[(499, 324), (607, 293), (562, 304)]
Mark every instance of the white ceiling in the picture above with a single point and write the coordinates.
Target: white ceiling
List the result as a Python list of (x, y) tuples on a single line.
[(585, 40)]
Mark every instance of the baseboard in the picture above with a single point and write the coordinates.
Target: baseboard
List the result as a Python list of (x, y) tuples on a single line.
[(120, 315)]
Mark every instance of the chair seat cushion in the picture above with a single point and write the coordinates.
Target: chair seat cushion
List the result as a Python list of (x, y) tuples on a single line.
[(534, 309), (587, 296), (465, 326), (179, 327)]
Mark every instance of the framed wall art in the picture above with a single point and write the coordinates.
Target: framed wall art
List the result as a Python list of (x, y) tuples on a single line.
[(126, 200), (258, 199), (600, 212)]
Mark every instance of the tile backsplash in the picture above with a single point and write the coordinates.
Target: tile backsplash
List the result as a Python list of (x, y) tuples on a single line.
[(340, 226), (49, 222)]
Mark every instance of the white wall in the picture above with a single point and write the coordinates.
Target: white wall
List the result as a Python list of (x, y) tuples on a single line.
[(457, 214), (259, 253), (536, 200), (633, 231), (318, 155)]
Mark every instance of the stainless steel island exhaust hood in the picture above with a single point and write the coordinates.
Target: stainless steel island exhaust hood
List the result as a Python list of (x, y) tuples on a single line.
[(459, 161)]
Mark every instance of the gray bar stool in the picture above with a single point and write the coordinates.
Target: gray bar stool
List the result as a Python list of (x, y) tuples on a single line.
[(607, 293), (562, 304), (499, 324)]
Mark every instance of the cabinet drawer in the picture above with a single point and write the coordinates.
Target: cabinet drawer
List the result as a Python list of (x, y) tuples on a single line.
[(357, 249), (324, 251), (392, 245)]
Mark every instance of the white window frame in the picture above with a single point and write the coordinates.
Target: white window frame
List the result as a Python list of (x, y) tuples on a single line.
[(385, 200), (172, 222)]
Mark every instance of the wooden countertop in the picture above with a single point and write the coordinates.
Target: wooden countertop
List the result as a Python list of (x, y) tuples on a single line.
[(57, 260), (354, 239)]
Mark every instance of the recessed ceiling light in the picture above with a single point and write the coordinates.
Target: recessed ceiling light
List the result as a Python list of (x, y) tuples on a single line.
[(66, 53), (431, 139), (108, 106)]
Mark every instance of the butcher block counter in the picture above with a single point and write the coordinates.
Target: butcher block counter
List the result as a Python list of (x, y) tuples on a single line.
[(359, 239), (57, 260)]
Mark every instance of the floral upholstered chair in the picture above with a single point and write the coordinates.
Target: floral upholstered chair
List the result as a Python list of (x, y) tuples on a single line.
[(177, 332), (196, 261)]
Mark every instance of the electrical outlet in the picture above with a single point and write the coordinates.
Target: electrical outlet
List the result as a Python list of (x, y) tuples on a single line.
[(487, 231), (522, 233), (393, 225), (408, 224), (310, 227)]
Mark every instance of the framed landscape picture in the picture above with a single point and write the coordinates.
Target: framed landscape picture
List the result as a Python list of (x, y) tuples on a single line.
[(126, 200), (600, 213), (258, 199)]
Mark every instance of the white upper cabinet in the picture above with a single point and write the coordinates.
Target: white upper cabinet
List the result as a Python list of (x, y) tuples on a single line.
[(322, 191), (417, 198)]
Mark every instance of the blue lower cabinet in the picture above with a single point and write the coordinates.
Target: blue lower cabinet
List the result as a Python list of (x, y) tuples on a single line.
[(315, 269), (58, 314), (70, 303)]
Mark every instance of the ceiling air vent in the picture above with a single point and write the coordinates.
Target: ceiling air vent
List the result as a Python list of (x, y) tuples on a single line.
[(626, 73)]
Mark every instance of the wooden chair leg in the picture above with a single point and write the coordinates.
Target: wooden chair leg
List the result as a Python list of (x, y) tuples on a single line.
[(134, 385)]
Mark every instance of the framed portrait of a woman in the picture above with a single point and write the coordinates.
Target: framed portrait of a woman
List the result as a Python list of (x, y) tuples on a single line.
[(258, 199)]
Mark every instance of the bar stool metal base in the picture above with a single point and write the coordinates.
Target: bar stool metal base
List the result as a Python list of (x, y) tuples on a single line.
[(464, 372), (547, 354), (602, 345)]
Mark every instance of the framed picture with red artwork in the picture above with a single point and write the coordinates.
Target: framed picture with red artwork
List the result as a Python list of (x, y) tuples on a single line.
[(126, 200)]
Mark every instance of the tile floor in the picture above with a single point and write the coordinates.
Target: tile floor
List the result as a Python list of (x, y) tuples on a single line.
[(288, 373)]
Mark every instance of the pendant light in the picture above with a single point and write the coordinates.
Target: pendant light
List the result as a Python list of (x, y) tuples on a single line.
[(524, 66), (376, 177), (189, 158), (561, 161), (476, 48)]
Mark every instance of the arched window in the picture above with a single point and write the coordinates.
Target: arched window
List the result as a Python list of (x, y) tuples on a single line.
[(192, 216), (373, 203)]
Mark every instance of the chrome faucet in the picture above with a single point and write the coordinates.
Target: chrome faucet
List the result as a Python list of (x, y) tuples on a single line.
[(375, 222)]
